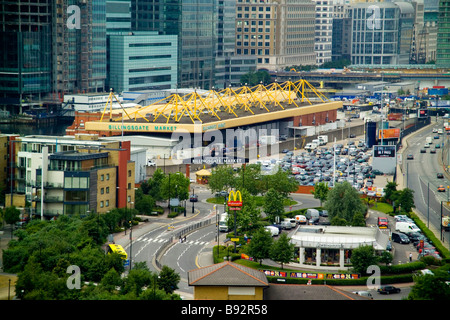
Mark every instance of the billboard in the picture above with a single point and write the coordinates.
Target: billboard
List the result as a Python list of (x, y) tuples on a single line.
[(384, 158), (384, 151), (389, 133)]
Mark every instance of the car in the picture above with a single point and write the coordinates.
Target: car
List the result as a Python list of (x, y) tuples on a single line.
[(427, 145), (400, 238), (285, 151), (433, 150), (423, 151), (436, 137), (410, 157), (366, 294), (193, 198), (440, 175), (388, 289), (382, 222), (438, 145), (441, 188)]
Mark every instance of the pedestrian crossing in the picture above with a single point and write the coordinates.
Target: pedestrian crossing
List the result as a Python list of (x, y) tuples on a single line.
[(161, 240)]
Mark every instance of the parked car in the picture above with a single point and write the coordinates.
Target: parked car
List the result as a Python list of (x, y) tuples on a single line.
[(388, 289), (366, 294), (400, 238)]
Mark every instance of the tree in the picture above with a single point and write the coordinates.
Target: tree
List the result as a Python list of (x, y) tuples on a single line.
[(259, 246), (362, 258), (222, 179), (145, 204), (282, 250), (168, 279), (406, 199), (281, 181), (343, 202), (320, 191), (273, 204), (175, 186), (154, 185), (253, 78), (249, 216), (390, 191), (429, 287), (386, 257), (11, 215)]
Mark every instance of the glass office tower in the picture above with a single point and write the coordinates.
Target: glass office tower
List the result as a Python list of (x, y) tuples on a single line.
[(193, 21), (25, 58), (443, 36)]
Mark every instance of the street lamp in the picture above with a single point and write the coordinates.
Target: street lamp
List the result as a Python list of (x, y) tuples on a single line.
[(193, 200)]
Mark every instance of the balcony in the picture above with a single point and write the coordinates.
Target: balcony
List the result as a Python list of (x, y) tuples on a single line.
[(49, 199)]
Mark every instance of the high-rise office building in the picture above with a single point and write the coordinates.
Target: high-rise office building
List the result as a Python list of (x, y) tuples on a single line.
[(279, 33), (54, 47), (443, 35), (381, 34), (324, 30), (194, 22), (25, 61)]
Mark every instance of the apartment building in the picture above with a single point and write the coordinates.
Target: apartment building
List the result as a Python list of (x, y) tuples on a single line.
[(279, 33), (74, 175)]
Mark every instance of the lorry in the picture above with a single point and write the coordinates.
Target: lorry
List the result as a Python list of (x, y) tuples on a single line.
[(429, 140), (406, 227), (323, 140), (223, 223), (310, 146)]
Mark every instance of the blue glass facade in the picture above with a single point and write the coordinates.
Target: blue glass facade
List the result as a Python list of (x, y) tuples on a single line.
[(142, 61)]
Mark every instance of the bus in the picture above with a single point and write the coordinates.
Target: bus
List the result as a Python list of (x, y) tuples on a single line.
[(117, 248)]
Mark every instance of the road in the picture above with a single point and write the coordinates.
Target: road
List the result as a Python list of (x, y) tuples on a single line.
[(421, 176)]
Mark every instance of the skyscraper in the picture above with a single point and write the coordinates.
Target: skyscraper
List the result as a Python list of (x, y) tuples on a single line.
[(443, 36), (25, 60), (193, 21), (54, 47)]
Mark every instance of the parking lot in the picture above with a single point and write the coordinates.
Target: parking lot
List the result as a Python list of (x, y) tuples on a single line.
[(352, 163)]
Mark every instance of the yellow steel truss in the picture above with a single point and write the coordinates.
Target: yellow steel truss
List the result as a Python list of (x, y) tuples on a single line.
[(213, 103)]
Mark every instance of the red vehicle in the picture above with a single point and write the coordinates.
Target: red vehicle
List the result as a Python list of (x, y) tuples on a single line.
[(382, 222)]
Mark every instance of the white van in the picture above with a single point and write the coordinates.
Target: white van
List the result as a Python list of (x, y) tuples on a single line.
[(312, 214), (301, 219), (406, 227), (273, 230)]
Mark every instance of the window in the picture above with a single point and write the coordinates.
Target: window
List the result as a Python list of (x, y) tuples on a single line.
[(107, 176), (102, 190)]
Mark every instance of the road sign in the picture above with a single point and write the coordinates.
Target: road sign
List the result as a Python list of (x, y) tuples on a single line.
[(235, 239)]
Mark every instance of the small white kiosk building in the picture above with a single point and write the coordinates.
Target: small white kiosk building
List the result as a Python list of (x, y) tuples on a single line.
[(332, 245)]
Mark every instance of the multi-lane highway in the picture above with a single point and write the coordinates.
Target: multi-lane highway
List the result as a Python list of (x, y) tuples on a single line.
[(421, 175)]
